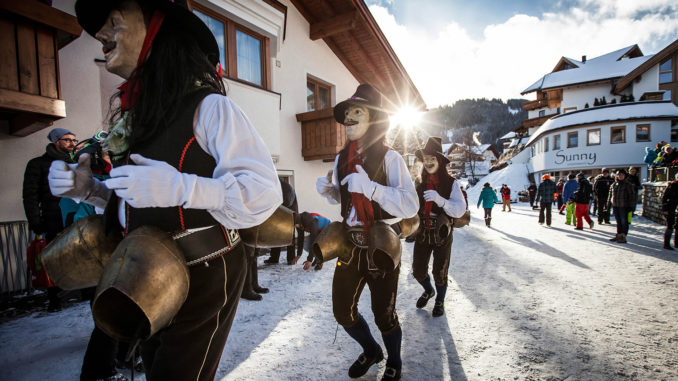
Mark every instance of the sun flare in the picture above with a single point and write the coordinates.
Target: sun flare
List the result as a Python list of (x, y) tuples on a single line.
[(407, 118)]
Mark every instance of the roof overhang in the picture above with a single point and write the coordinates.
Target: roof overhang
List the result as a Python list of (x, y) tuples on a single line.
[(348, 28), (645, 66)]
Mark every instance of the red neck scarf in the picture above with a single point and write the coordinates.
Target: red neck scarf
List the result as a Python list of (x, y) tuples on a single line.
[(431, 184), (362, 205), (128, 98)]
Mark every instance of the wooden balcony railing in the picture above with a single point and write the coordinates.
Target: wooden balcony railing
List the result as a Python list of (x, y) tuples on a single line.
[(531, 105), (31, 33), (538, 121), (322, 137)]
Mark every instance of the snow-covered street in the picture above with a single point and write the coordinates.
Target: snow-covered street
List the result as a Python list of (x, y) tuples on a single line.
[(525, 302)]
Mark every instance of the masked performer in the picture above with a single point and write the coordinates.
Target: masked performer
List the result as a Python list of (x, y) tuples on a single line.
[(440, 199), (373, 185), (186, 160)]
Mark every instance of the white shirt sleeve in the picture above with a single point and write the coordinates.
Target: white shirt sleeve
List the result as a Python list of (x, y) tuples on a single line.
[(249, 190), (332, 194), (398, 197), (455, 205)]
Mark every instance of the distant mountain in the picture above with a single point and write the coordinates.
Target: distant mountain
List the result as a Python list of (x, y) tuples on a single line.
[(489, 119)]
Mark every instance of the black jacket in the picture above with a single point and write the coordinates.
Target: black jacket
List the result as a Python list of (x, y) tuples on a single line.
[(670, 197), (41, 207), (602, 187), (583, 194)]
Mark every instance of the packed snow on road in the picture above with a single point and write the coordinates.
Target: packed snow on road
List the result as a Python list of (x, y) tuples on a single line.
[(525, 302)]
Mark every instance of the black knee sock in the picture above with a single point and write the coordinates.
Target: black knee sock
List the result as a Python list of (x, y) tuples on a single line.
[(426, 283), (360, 332), (392, 343), (441, 290)]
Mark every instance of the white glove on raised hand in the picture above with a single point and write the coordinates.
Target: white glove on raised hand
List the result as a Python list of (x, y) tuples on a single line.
[(152, 183), (75, 181), (431, 195), (324, 184), (359, 182)]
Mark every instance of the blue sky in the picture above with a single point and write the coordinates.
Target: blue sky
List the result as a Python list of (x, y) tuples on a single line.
[(457, 49)]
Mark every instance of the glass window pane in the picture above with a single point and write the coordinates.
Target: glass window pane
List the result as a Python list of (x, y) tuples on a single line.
[(594, 137), (323, 98), (556, 142), (248, 57), (674, 130), (546, 144), (217, 28), (665, 77), (310, 96), (642, 133), (666, 65), (667, 95), (618, 135), (572, 140)]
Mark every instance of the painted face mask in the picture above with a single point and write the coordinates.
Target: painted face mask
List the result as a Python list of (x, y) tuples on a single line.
[(357, 121), (122, 37), (431, 163)]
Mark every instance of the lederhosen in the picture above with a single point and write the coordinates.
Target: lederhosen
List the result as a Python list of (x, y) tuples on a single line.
[(190, 346), (351, 276), (426, 241)]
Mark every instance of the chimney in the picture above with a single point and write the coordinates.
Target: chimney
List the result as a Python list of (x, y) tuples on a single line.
[(583, 59)]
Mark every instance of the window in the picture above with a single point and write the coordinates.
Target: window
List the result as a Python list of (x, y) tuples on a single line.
[(674, 130), (572, 139), (243, 53), (593, 137), (666, 71), (556, 142), (317, 95), (667, 95), (643, 133), (546, 144), (618, 135), (542, 113), (568, 109)]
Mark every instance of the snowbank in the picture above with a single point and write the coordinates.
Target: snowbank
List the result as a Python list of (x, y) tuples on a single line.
[(514, 175)]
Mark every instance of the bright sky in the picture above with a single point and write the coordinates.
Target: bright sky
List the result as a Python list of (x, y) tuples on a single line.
[(456, 49)]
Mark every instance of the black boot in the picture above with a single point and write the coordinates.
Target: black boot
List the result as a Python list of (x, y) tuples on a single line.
[(255, 277), (392, 342), (438, 309), (247, 290), (489, 220), (372, 352), (667, 240), (428, 292)]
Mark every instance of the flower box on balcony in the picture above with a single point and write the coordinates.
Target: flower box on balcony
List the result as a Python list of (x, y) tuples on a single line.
[(322, 137)]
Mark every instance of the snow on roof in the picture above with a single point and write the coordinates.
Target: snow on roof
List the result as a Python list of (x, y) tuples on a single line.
[(513, 175), (622, 111), (446, 147), (509, 135), (606, 66), (480, 149)]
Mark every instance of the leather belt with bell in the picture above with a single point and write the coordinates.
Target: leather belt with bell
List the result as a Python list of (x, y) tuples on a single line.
[(206, 244)]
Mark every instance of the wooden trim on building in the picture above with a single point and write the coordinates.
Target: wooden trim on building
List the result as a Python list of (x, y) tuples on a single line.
[(65, 24), (645, 66), (535, 104), (337, 24), (322, 137)]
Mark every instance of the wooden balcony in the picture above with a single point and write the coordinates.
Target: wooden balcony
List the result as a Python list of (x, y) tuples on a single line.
[(31, 33), (535, 122), (322, 137), (531, 105)]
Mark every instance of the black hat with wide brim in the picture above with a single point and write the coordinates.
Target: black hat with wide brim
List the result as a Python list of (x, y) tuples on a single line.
[(433, 147), (92, 15), (365, 95)]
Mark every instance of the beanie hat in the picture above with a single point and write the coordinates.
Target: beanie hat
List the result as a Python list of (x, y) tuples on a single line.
[(57, 134)]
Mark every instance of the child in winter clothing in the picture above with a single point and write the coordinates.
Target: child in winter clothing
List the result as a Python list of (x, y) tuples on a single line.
[(569, 211)]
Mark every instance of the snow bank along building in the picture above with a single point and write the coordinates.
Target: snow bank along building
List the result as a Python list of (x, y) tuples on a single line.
[(600, 112), (286, 64)]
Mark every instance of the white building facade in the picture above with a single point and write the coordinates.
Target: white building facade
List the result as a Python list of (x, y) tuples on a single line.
[(589, 114)]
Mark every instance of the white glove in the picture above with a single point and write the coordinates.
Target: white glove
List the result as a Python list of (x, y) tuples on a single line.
[(75, 181), (359, 182), (431, 195), (324, 184), (153, 183)]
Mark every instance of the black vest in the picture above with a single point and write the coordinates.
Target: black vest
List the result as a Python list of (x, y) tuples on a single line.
[(444, 188), (374, 166), (176, 145)]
